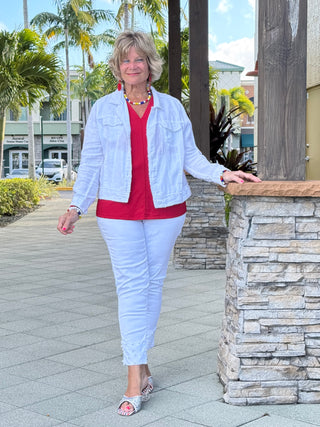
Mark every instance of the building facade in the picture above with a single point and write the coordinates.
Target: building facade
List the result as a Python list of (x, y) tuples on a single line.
[(50, 136), (230, 77), (247, 140), (229, 74), (313, 92)]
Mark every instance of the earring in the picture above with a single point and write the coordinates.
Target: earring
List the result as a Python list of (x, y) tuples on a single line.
[(150, 78), (119, 84)]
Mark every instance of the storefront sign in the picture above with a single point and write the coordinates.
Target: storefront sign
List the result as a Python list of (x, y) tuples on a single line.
[(55, 139), (47, 139), (16, 139)]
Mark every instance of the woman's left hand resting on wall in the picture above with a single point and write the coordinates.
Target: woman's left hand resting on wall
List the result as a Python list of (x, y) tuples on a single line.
[(239, 177)]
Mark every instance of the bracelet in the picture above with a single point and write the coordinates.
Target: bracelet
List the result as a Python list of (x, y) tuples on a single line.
[(221, 176), (75, 208)]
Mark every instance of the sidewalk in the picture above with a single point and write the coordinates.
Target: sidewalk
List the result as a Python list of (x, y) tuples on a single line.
[(60, 354)]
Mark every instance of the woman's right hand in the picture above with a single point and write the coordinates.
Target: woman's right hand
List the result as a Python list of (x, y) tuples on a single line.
[(67, 221)]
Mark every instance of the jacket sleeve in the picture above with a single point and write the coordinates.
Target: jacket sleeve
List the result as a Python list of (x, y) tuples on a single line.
[(87, 183), (195, 162)]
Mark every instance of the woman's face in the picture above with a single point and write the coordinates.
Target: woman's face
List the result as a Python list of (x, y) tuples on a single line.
[(134, 68)]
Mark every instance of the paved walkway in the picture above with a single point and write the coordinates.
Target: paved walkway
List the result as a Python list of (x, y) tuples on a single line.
[(60, 356)]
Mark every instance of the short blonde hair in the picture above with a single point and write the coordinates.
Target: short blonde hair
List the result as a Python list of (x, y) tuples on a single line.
[(144, 45)]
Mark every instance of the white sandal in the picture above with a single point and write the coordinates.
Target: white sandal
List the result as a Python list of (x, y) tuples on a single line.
[(136, 403), (148, 388)]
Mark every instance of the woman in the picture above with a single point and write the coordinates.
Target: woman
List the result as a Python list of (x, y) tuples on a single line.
[(138, 143)]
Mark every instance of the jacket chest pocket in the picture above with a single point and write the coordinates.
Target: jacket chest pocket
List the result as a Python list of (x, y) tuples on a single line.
[(112, 129), (170, 135)]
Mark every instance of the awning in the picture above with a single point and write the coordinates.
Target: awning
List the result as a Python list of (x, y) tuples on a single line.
[(55, 146), (15, 147), (246, 140)]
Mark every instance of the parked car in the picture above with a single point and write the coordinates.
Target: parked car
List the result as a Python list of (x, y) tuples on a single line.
[(53, 169), (18, 173)]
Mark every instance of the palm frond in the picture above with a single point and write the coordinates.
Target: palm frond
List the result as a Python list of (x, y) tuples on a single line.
[(107, 37), (46, 18), (26, 69), (154, 9), (101, 15)]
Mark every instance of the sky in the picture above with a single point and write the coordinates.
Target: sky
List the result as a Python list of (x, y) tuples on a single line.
[(231, 27)]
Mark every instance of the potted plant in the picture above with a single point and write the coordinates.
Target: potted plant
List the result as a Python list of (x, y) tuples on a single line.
[(221, 127)]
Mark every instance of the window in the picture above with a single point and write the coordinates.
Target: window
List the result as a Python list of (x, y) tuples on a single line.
[(59, 154), (23, 117), (45, 111), (250, 119), (47, 114), (62, 116), (18, 160)]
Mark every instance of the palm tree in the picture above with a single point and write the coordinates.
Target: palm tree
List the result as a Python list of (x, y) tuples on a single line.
[(25, 14), (31, 150), (83, 37), (73, 20), (27, 74), (96, 84), (162, 83), (152, 8), (238, 99)]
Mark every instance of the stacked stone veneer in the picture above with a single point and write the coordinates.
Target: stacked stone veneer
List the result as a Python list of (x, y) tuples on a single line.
[(202, 242), (269, 350)]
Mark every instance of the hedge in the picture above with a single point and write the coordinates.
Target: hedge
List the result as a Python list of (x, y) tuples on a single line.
[(17, 194)]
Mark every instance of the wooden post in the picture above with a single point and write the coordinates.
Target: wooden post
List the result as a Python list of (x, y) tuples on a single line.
[(199, 73), (282, 50), (174, 49)]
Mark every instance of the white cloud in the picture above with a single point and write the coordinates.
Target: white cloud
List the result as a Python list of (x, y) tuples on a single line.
[(238, 52), (224, 6), (252, 3), (212, 38)]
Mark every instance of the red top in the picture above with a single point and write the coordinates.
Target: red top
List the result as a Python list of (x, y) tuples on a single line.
[(140, 204)]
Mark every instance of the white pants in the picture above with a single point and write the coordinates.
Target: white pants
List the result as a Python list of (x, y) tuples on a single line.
[(140, 252)]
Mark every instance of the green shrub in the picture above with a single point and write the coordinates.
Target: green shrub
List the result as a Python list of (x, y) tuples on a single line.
[(18, 194), (65, 183), (45, 188), (227, 199)]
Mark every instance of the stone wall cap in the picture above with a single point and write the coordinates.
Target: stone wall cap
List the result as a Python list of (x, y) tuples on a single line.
[(275, 189)]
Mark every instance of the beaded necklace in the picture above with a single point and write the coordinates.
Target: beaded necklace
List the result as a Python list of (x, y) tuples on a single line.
[(138, 103)]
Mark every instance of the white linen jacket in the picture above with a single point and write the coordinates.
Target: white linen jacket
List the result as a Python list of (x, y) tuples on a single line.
[(105, 166)]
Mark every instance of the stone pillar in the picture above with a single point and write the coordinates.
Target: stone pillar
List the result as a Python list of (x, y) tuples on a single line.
[(202, 242), (270, 343)]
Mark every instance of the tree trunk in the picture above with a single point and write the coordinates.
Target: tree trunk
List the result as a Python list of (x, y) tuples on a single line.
[(2, 128), (126, 14), (174, 54), (83, 112), (199, 74), (132, 15), (69, 136), (25, 14), (282, 92), (84, 100), (31, 149)]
